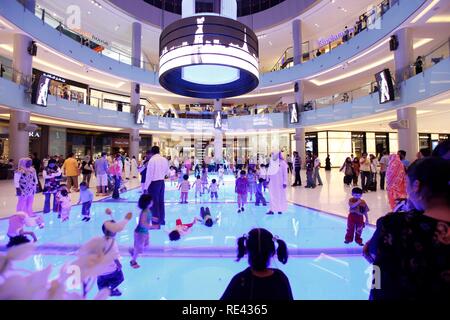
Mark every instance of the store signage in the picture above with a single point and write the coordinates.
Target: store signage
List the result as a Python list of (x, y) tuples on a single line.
[(325, 41), (53, 77), (34, 135), (93, 37), (120, 142)]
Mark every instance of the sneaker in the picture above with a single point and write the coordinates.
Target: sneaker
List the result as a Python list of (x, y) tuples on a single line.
[(242, 209), (270, 212), (116, 293), (239, 211), (87, 219), (279, 212), (134, 264), (84, 219), (360, 244), (347, 242)]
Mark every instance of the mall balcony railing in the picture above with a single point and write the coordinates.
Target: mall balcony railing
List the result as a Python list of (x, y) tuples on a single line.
[(366, 21), (107, 50), (438, 54)]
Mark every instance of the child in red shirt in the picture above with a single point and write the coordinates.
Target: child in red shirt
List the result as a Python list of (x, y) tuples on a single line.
[(355, 221)]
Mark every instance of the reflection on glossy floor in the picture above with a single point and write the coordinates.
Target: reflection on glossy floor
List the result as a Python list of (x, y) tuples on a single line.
[(321, 265)]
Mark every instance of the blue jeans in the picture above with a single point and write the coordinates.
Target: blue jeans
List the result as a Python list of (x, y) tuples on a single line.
[(116, 194), (47, 202)]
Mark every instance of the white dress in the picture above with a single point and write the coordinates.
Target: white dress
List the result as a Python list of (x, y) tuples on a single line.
[(134, 171), (278, 200), (127, 168)]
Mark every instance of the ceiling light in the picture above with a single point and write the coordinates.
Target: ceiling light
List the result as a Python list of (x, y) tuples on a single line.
[(439, 19), (424, 12), (270, 42), (316, 25), (116, 27), (7, 25)]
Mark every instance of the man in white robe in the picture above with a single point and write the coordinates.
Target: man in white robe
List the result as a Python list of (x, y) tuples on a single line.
[(278, 179)]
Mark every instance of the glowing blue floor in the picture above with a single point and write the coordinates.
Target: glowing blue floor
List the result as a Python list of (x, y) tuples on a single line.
[(200, 265)]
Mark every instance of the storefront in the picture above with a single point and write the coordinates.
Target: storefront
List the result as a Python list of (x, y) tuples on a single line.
[(111, 101), (65, 88)]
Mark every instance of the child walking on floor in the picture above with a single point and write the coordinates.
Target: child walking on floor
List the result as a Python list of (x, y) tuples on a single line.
[(141, 233), (198, 187), (64, 203), (259, 195), (241, 189), (357, 212), (214, 188), (184, 187), (86, 198)]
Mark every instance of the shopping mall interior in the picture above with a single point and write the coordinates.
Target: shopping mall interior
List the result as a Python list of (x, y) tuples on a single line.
[(218, 86)]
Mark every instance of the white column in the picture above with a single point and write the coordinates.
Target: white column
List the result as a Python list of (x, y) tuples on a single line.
[(300, 143), (297, 40), (298, 93), (22, 60), (134, 143), (18, 137), (136, 49), (218, 135), (404, 55), (408, 138)]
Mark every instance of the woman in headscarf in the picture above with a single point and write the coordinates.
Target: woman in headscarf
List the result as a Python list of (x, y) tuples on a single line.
[(277, 175), (395, 180), (25, 181)]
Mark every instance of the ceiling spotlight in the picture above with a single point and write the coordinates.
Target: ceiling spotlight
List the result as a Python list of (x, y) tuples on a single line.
[(116, 27), (316, 25)]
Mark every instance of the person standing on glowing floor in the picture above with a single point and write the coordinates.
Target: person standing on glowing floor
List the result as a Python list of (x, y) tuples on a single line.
[(141, 233), (278, 180)]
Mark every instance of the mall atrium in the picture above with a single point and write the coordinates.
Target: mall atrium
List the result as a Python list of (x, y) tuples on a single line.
[(156, 108)]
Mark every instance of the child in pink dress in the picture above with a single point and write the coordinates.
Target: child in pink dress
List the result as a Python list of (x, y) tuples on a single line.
[(184, 187)]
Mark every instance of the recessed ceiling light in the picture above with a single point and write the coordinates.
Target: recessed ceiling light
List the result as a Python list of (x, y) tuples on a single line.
[(316, 25), (270, 42), (89, 12), (116, 27)]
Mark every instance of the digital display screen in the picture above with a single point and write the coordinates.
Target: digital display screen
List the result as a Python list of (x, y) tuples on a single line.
[(385, 86), (41, 85), (140, 115), (208, 40), (293, 113)]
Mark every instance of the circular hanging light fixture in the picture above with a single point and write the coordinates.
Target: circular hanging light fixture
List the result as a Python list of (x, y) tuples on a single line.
[(208, 56)]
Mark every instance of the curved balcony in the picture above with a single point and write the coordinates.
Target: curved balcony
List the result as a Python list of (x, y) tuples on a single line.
[(431, 82), (57, 40)]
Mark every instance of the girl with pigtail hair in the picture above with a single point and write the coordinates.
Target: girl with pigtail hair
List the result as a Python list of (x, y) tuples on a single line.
[(258, 281)]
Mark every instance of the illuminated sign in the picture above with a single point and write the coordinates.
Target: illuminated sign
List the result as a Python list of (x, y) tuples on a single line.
[(208, 56), (217, 120), (293, 113), (324, 41)]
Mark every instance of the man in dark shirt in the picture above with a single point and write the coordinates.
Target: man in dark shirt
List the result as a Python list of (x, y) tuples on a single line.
[(297, 168)]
